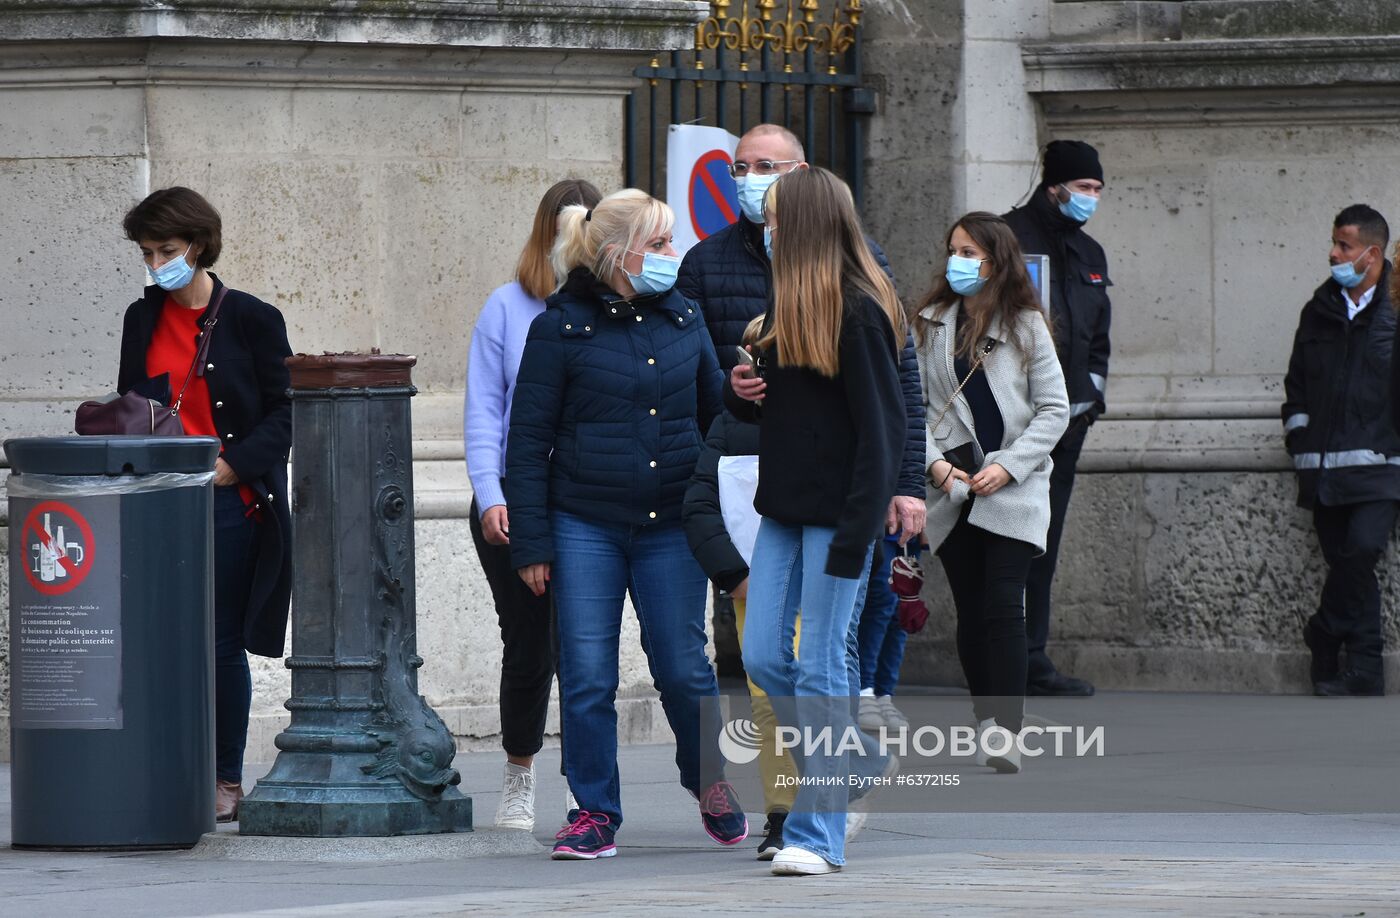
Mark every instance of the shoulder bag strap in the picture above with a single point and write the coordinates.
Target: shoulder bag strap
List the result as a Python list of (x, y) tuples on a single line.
[(202, 351), (986, 349)]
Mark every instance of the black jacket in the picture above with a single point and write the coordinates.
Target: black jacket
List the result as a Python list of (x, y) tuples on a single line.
[(248, 383), (729, 276), (610, 406), (1337, 410), (829, 448), (704, 520), (1079, 308)]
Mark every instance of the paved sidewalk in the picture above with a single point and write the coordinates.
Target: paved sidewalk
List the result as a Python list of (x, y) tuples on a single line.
[(1243, 863)]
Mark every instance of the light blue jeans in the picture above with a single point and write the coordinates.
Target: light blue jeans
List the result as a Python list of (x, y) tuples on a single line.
[(814, 692)]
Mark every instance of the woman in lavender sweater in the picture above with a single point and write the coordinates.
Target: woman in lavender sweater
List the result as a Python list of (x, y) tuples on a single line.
[(527, 662)]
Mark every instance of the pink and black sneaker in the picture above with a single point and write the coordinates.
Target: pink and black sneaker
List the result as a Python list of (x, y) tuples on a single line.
[(722, 816), (588, 837)]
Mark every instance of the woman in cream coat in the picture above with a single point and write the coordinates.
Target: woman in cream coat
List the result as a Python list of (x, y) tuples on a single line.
[(996, 407)]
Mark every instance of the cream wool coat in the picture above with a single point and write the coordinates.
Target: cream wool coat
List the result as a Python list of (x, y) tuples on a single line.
[(1034, 410)]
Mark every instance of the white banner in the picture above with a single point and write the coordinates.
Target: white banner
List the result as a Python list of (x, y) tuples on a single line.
[(698, 185)]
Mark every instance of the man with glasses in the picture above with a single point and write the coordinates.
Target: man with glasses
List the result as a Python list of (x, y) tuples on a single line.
[(729, 275)]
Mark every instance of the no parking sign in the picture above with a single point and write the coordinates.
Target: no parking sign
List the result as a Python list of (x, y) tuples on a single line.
[(698, 185)]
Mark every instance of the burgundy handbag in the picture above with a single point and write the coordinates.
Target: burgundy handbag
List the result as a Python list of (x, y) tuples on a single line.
[(907, 582), (133, 413)]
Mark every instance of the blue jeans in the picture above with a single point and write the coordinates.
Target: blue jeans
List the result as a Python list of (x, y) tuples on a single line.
[(234, 536), (813, 691), (881, 639), (595, 565)]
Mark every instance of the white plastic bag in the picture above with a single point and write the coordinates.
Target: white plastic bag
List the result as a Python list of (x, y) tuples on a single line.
[(738, 482)]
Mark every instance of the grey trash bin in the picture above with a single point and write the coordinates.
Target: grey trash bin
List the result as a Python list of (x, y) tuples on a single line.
[(111, 641)]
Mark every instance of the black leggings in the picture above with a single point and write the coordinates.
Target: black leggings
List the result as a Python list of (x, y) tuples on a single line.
[(527, 660), (987, 575)]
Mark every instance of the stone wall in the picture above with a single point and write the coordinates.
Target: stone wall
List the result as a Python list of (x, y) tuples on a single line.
[(376, 168)]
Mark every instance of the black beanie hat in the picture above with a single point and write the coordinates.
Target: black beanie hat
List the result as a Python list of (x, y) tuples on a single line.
[(1068, 160)]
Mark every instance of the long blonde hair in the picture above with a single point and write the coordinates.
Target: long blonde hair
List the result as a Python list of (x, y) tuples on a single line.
[(598, 239), (534, 272), (820, 254)]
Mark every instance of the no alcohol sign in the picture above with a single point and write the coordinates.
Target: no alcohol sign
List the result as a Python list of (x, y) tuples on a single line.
[(65, 626)]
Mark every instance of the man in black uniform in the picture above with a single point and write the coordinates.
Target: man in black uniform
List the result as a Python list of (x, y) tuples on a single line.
[(1338, 429), (1052, 224)]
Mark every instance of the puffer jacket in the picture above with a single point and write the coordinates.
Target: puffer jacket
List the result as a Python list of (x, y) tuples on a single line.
[(1336, 413), (728, 274), (609, 406)]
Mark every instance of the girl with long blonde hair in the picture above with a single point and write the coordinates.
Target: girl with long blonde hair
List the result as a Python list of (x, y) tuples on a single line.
[(825, 392)]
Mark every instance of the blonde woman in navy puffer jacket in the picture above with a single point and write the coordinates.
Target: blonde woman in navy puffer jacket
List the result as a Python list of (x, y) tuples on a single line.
[(617, 381)]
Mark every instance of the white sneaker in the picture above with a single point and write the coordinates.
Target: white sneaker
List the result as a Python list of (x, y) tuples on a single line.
[(855, 821), (871, 716), (517, 807), (1009, 762), (980, 757), (570, 805), (894, 717), (793, 861)]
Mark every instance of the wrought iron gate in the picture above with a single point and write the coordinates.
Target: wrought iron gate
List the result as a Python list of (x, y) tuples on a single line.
[(787, 62)]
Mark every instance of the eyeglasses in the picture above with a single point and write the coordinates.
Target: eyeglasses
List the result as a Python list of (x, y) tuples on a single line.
[(739, 168)]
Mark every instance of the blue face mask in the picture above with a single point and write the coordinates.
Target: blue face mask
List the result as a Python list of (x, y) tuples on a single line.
[(752, 190), (658, 272), (768, 241), (963, 275), (1346, 273), (175, 273), (1079, 207)]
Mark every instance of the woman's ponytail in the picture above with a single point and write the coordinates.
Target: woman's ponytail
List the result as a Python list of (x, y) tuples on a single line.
[(571, 245)]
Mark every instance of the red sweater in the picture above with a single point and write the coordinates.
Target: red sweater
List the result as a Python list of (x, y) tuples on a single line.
[(172, 350)]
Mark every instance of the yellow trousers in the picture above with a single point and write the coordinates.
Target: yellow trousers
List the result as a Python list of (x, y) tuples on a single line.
[(779, 773)]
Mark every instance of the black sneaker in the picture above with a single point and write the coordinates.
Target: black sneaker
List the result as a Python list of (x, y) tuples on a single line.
[(1060, 685), (1353, 682), (772, 835), (1324, 667), (588, 837), (722, 816)]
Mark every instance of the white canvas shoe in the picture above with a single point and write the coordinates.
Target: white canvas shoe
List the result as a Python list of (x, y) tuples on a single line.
[(799, 862), (870, 717), (894, 717), (517, 807)]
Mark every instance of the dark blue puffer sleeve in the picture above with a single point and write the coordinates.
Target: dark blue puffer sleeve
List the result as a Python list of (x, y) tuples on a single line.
[(709, 383), (534, 422), (912, 462)]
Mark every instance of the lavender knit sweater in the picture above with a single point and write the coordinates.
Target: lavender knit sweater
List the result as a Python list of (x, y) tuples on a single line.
[(498, 340)]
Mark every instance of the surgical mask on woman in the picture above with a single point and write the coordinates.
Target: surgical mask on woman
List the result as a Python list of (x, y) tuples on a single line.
[(964, 275), (658, 272), (175, 273)]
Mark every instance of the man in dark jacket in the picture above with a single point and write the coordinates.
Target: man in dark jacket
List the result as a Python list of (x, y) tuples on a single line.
[(728, 274), (1052, 224), (1338, 429)]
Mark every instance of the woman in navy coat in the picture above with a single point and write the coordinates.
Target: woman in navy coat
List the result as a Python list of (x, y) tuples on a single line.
[(241, 398), (617, 381)]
